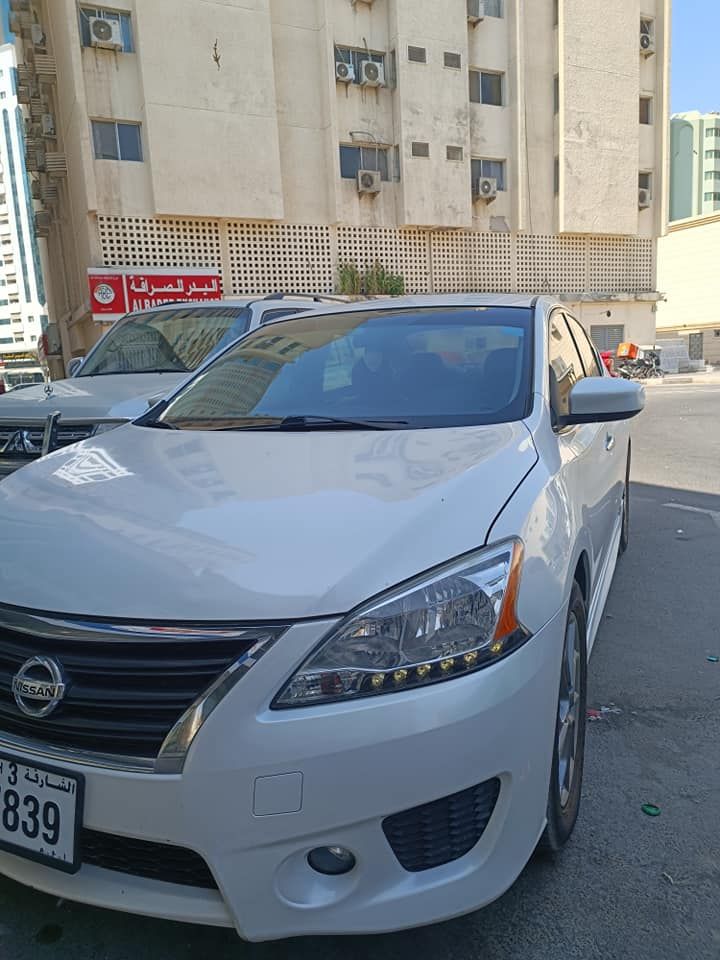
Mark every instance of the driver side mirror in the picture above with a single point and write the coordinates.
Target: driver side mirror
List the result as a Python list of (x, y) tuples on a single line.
[(74, 365), (601, 399)]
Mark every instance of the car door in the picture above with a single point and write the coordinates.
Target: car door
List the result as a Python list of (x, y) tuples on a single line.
[(587, 463), (614, 463)]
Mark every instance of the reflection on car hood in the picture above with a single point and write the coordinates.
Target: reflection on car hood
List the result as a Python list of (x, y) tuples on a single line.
[(121, 396), (183, 525)]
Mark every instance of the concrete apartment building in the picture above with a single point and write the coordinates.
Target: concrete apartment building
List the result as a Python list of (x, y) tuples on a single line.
[(504, 145), (694, 165), (23, 313)]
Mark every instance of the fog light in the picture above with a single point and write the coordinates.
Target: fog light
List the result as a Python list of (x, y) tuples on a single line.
[(332, 861)]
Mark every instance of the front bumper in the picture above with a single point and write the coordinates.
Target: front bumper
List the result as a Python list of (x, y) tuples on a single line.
[(261, 788)]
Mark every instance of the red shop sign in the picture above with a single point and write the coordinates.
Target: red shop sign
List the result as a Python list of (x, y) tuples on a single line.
[(113, 293)]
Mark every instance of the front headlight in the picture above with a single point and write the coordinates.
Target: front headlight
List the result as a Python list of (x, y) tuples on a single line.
[(446, 624)]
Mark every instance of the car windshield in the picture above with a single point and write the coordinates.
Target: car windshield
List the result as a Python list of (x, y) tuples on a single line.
[(420, 367), (175, 340)]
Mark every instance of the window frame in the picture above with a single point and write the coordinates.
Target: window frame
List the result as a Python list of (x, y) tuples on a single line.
[(479, 73), (452, 54), (353, 57), (423, 149), (502, 181), (377, 149), (456, 159), (116, 124), (123, 16), (418, 59), (579, 333), (648, 101)]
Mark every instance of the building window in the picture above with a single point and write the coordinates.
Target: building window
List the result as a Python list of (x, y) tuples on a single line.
[(4, 321), (712, 132), (646, 110), (493, 8), (122, 18), (486, 87), (712, 174), (19, 337), (712, 197), (607, 337), (392, 73), (33, 339), (420, 149), (556, 12), (353, 159), (481, 168), (417, 54), (396, 164), (645, 181), (355, 58), (556, 176), (712, 154), (556, 94), (454, 153), (6, 339), (453, 60), (116, 141)]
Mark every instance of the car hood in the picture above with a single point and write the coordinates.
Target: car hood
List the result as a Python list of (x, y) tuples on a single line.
[(123, 396), (248, 526)]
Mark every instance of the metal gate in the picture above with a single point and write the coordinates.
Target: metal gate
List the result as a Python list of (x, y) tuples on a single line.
[(695, 346)]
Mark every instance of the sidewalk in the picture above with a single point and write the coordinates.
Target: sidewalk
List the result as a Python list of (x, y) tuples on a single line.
[(711, 378)]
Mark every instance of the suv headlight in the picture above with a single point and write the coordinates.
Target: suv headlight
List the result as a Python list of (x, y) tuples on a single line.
[(451, 622)]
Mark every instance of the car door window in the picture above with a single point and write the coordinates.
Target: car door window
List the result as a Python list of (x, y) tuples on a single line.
[(586, 350), (565, 365), (270, 315)]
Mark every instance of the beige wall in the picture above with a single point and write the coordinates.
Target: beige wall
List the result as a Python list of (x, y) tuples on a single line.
[(687, 275)]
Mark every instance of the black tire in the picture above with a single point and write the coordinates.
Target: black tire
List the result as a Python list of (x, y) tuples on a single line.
[(625, 529), (563, 803)]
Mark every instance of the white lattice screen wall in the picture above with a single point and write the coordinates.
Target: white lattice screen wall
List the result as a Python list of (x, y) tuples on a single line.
[(264, 257), (399, 251), (271, 257), (159, 242)]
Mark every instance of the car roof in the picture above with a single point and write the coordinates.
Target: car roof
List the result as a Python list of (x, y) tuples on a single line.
[(305, 300), (524, 300)]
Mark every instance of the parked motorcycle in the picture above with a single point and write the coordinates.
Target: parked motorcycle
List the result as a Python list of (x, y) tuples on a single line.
[(645, 365)]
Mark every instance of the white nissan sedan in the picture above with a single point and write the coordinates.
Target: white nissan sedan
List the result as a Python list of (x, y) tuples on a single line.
[(304, 649)]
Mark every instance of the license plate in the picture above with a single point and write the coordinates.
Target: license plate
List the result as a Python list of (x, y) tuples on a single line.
[(40, 813)]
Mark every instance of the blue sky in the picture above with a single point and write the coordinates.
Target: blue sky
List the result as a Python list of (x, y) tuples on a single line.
[(696, 26)]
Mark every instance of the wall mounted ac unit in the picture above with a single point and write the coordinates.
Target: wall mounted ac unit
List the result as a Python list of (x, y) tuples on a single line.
[(38, 35), (372, 74), (344, 72), (485, 188), (105, 33), (647, 44), (48, 125), (475, 11), (368, 181), (644, 199)]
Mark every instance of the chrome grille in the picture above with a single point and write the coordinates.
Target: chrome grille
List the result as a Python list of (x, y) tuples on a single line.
[(127, 685)]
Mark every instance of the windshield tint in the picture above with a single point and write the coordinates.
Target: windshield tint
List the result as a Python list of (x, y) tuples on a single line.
[(420, 367), (166, 341)]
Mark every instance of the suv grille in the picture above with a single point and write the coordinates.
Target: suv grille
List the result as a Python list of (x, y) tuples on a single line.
[(124, 690), (143, 858), (26, 442), (444, 830)]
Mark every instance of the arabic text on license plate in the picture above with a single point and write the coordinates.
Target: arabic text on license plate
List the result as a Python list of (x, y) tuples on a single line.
[(40, 811)]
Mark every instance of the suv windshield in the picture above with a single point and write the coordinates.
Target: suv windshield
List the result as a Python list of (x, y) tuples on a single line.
[(166, 341), (419, 367)]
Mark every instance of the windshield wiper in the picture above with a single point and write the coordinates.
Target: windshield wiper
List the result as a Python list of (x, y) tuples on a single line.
[(316, 422)]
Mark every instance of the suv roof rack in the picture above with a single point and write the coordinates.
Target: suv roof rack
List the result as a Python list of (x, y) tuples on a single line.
[(315, 297)]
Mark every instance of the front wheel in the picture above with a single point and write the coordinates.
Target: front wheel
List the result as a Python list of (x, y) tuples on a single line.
[(569, 751)]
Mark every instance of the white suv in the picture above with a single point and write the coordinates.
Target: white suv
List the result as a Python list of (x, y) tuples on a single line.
[(304, 649), (140, 359)]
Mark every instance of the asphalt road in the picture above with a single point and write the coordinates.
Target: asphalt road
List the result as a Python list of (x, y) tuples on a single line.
[(628, 886)]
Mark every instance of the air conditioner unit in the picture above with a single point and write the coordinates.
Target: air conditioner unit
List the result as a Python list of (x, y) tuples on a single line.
[(372, 74), (644, 198), (647, 44), (43, 219), (48, 125), (485, 188), (344, 72), (105, 33), (475, 11), (38, 35), (368, 181)]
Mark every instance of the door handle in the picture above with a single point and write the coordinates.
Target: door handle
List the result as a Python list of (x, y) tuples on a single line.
[(609, 442)]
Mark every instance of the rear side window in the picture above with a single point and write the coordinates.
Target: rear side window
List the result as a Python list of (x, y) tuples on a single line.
[(271, 315), (585, 349), (565, 365)]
